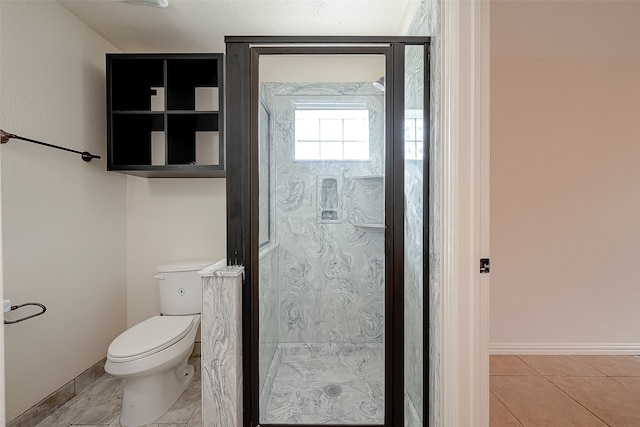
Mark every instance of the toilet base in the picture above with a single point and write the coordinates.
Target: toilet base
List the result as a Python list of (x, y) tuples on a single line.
[(147, 398)]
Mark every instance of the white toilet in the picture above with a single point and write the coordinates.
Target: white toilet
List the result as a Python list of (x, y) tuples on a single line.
[(152, 355)]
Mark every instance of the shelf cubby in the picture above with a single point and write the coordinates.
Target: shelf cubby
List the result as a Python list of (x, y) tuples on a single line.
[(164, 114)]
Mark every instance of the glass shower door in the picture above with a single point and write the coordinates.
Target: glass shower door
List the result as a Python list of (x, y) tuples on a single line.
[(415, 176), (321, 155)]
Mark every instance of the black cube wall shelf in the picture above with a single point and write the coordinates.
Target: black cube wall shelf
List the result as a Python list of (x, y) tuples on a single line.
[(165, 115)]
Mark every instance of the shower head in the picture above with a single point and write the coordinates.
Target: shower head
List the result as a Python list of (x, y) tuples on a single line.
[(379, 84)]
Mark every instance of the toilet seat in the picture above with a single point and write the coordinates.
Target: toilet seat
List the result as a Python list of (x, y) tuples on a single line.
[(148, 337)]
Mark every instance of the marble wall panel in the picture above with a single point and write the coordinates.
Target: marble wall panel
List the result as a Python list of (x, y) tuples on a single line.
[(427, 22), (411, 417), (268, 308), (221, 346), (414, 242), (414, 282), (331, 272)]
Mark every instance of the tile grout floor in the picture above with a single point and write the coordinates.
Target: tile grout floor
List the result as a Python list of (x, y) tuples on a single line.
[(565, 391), (100, 405)]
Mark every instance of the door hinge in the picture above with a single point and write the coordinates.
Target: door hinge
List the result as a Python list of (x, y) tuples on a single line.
[(485, 265)]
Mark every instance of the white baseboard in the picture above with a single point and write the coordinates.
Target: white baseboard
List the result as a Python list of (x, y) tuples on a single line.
[(565, 348)]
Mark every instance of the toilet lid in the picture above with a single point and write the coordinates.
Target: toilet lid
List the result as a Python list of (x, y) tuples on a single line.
[(150, 336)]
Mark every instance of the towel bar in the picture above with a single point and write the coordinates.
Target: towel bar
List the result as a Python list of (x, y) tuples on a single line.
[(15, 307)]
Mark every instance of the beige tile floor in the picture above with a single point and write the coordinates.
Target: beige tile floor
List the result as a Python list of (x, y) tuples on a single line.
[(564, 391), (100, 405)]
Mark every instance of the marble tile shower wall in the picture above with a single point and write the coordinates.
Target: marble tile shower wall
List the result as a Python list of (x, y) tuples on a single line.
[(221, 359), (413, 291), (268, 307), (414, 249), (427, 22), (331, 272)]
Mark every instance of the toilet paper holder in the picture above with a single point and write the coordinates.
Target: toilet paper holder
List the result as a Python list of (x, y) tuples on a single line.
[(15, 307)]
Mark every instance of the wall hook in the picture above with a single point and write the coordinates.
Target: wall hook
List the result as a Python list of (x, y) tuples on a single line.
[(6, 136)]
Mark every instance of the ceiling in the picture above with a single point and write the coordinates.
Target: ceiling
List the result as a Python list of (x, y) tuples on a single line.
[(519, 28), (200, 25)]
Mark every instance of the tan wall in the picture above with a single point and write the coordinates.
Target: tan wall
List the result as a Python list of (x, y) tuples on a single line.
[(63, 219), (565, 203)]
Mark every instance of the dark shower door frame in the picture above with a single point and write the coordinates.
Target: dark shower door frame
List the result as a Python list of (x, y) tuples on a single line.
[(242, 101)]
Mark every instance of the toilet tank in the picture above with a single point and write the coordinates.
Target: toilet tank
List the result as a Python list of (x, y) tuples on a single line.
[(181, 287)]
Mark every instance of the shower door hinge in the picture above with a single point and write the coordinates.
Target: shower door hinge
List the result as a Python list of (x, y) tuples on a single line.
[(485, 265)]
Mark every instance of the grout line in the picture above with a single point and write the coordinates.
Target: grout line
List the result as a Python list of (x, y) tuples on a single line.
[(624, 385), (548, 378), (593, 367), (534, 369), (574, 399), (507, 408)]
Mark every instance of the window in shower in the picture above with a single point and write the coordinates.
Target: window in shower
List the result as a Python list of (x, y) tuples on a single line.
[(413, 134), (331, 134)]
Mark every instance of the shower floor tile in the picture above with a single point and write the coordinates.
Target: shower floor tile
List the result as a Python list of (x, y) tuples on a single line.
[(327, 384)]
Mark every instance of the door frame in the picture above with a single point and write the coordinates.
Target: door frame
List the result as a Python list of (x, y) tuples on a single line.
[(465, 124), (242, 231)]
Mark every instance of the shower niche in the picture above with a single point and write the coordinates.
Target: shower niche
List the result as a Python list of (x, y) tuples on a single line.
[(328, 198), (368, 203)]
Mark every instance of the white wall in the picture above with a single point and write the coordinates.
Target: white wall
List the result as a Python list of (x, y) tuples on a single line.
[(2, 387), (321, 68), (63, 219), (169, 220), (565, 205), (82, 241)]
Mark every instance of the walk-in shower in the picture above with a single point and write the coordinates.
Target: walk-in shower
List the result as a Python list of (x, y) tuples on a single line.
[(322, 280), (330, 229)]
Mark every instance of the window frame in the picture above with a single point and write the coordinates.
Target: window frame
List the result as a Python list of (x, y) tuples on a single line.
[(325, 109)]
